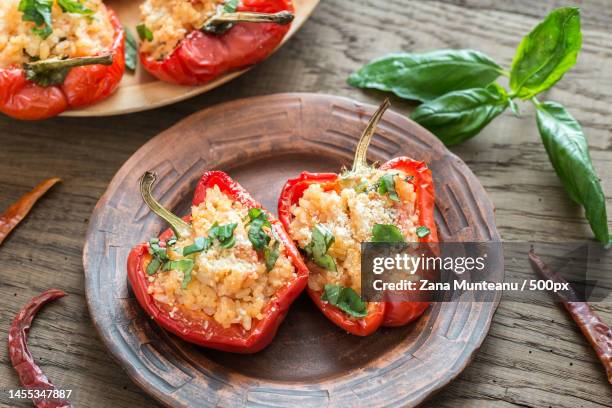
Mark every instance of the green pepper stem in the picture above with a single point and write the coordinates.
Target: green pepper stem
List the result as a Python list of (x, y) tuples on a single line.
[(181, 228), (282, 18), (361, 162), (53, 64)]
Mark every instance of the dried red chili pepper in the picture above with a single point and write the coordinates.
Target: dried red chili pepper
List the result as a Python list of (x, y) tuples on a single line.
[(381, 313), (592, 327), (30, 374), (206, 331), (205, 54), (89, 80), (17, 212)]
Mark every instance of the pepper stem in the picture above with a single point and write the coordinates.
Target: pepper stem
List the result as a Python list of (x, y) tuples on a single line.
[(220, 23), (181, 228), (53, 64), (361, 162)]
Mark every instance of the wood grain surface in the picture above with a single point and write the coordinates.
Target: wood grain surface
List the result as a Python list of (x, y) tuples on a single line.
[(262, 142), (534, 355)]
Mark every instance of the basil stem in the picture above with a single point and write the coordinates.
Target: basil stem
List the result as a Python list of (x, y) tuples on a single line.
[(361, 162), (220, 23), (181, 228)]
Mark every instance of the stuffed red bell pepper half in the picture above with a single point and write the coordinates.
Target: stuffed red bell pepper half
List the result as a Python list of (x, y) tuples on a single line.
[(194, 42), (223, 277), (57, 55), (329, 215)]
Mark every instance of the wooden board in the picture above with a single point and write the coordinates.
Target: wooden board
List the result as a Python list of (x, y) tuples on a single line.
[(261, 142), (141, 91)]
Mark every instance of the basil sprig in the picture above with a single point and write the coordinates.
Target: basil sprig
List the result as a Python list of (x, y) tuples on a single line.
[(322, 239), (386, 185), (224, 234), (345, 299), (131, 50), (458, 109), (260, 239), (386, 233), (144, 32), (426, 76), (38, 12)]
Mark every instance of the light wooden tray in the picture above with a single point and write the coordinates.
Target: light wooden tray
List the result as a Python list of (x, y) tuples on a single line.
[(262, 142), (140, 91)]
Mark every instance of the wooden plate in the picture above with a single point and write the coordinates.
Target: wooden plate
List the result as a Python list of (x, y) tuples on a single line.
[(141, 91), (261, 142)]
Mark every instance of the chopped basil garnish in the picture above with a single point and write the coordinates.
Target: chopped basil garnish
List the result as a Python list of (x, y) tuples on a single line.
[(160, 255), (144, 33), (38, 12), (386, 185), (386, 233), (199, 244), (153, 266), (345, 299), (73, 6), (258, 237), (271, 255), (131, 50), (184, 265), (224, 234), (322, 240), (422, 231)]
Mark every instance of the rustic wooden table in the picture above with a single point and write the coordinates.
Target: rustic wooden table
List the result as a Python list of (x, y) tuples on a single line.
[(534, 355)]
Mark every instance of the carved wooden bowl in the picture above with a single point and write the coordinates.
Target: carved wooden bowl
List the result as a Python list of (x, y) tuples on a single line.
[(262, 142)]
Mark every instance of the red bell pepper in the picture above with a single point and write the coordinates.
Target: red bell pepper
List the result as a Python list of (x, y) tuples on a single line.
[(381, 313), (90, 80), (203, 56), (206, 331)]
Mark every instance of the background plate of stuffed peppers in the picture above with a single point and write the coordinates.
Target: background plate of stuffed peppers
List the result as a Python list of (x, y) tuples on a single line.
[(140, 91), (261, 142)]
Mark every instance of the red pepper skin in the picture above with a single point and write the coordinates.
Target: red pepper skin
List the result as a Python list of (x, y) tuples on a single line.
[(30, 374), (390, 313), (209, 333), (84, 86), (201, 57)]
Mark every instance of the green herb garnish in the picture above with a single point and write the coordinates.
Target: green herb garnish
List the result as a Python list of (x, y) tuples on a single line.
[(322, 239), (184, 265), (224, 234), (199, 244), (160, 255), (38, 12), (345, 299), (422, 231), (74, 6), (386, 185), (144, 33), (271, 255), (257, 221), (386, 233), (131, 50)]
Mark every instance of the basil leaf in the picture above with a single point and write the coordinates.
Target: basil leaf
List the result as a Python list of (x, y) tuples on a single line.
[(460, 115), (199, 244), (386, 233), (73, 6), (183, 265), (224, 234), (426, 76), (131, 50), (568, 151), (144, 33), (38, 12), (322, 239), (345, 299), (258, 237), (153, 266), (386, 184), (422, 231), (546, 53), (271, 255)]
